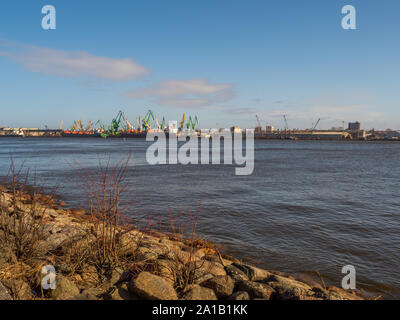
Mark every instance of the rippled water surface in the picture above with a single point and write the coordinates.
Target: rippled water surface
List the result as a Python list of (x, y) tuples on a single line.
[(308, 206)]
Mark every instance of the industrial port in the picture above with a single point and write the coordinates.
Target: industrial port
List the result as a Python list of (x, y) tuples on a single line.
[(122, 127)]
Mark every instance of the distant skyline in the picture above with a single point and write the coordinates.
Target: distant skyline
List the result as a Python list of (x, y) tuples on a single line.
[(222, 60)]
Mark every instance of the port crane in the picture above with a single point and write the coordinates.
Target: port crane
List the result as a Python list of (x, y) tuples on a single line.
[(139, 123), (258, 121), (312, 130), (182, 123), (146, 120), (128, 124), (286, 125), (192, 122), (162, 125), (259, 128), (116, 123), (89, 126)]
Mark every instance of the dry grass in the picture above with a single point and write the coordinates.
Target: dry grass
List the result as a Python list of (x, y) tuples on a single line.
[(22, 214), (102, 246)]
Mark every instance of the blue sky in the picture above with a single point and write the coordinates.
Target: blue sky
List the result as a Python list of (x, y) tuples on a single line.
[(222, 60)]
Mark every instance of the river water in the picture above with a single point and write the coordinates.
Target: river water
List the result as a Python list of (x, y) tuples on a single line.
[(308, 206)]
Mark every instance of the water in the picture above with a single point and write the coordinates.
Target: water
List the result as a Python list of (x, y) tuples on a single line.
[(309, 205)]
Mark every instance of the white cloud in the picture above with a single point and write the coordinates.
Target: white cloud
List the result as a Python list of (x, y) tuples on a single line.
[(71, 64), (185, 93)]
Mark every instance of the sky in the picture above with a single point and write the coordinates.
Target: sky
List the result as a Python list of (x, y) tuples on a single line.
[(222, 60)]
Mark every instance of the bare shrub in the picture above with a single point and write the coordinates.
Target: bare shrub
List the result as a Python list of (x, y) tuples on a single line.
[(21, 214), (102, 246)]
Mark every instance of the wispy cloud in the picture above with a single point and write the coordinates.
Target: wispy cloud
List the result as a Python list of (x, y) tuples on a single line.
[(185, 93), (331, 109), (71, 64)]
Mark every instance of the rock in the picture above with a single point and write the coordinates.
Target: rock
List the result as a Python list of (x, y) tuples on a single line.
[(4, 295), (65, 289), (121, 292), (334, 293), (19, 289), (201, 276), (118, 275), (83, 296), (90, 275), (90, 294), (222, 286), (253, 273), (216, 258), (6, 255), (165, 269), (308, 279), (288, 289), (214, 268), (256, 289), (64, 268), (235, 273), (152, 287), (197, 292), (239, 295), (204, 270), (144, 254)]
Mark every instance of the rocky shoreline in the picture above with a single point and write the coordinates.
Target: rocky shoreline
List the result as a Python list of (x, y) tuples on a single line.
[(149, 265)]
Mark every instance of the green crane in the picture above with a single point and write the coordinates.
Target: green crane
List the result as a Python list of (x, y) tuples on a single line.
[(162, 124), (116, 124), (192, 122), (146, 120)]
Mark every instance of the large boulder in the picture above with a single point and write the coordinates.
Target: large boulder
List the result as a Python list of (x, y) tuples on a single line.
[(197, 292), (152, 287), (256, 289), (235, 273), (239, 295), (214, 268), (253, 273), (65, 289), (222, 285), (4, 295), (334, 293), (19, 289), (289, 289)]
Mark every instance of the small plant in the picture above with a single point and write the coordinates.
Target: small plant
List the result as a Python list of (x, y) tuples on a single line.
[(21, 214), (104, 245)]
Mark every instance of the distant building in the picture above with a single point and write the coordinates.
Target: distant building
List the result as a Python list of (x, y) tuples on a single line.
[(393, 135), (236, 129), (173, 126), (269, 129), (354, 126)]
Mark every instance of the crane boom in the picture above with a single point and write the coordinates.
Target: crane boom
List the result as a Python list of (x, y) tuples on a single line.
[(316, 124), (182, 123), (258, 120)]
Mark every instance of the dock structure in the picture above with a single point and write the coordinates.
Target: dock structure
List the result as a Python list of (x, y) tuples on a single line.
[(29, 132), (306, 135)]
